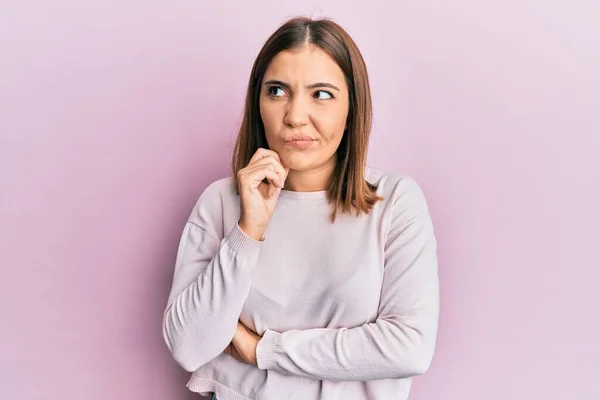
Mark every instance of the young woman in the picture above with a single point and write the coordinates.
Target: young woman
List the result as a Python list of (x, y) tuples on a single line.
[(308, 274)]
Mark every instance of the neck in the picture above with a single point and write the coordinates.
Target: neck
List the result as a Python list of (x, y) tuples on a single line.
[(312, 180)]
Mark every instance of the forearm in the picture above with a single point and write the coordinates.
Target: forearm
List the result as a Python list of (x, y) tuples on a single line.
[(386, 349), (200, 321)]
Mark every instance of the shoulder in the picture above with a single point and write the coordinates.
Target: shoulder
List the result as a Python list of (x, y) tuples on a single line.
[(217, 196), (219, 189), (399, 189), (404, 204)]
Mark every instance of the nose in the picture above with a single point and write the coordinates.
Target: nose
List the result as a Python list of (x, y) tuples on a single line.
[(296, 114)]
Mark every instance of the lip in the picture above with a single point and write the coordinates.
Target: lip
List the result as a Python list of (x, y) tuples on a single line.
[(299, 138), (300, 141)]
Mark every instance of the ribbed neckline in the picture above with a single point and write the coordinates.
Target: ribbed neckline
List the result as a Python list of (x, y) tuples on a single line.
[(321, 194), (290, 194)]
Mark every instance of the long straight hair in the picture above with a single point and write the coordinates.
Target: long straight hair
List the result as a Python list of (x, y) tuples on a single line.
[(348, 191)]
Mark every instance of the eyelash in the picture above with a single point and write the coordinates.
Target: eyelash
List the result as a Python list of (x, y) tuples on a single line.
[(270, 88)]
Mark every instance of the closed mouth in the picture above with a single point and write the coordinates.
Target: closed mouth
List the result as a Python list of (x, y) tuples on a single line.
[(300, 139)]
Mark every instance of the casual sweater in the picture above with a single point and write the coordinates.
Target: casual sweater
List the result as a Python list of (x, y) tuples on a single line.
[(346, 310)]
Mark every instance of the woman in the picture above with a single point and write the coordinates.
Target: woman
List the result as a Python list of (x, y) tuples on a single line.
[(308, 275)]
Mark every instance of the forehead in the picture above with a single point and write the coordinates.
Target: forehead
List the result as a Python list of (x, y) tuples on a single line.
[(307, 65)]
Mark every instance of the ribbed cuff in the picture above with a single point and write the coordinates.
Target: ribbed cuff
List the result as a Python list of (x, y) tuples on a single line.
[(243, 244), (267, 350)]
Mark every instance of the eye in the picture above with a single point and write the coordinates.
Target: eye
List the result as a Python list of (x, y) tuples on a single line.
[(323, 95), (276, 91)]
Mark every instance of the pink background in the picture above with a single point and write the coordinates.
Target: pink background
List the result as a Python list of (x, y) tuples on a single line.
[(115, 117)]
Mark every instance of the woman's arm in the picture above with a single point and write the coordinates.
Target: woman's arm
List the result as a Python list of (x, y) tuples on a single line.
[(211, 282), (400, 343), (212, 275)]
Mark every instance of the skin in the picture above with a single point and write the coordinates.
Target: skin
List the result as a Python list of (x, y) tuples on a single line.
[(309, 106), (304, 92)]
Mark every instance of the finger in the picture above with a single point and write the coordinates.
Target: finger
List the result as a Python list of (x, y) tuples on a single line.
[(256, 175), (273, 191), (280, 169), (262, 153), (235, 354), (238, 337), (232, 351), (239, 328), (265, 161), (241, 333)]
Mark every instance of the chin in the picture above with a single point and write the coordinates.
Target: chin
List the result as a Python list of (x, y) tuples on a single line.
[(303, 162), (298, 162)]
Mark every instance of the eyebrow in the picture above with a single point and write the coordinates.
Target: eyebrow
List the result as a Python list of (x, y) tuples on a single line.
[(311, 86)]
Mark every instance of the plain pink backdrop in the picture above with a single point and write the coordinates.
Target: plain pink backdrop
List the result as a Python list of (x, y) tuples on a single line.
[(115, 117)]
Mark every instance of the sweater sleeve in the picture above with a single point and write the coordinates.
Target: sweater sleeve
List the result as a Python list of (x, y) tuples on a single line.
[(210, 284), (400, 342)]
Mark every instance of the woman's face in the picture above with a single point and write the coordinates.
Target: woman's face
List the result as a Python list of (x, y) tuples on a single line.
[(304, 107)]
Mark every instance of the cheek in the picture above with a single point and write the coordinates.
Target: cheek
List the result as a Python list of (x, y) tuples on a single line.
[(331, 124), (270, 117), (271, 123)]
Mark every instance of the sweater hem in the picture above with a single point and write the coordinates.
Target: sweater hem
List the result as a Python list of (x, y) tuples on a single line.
[(205, 386)]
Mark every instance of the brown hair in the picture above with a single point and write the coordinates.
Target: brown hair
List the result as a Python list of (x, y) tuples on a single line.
[(348, 190)]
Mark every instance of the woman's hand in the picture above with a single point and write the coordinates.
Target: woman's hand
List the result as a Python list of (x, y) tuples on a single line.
[(257, 198), (243, 346)]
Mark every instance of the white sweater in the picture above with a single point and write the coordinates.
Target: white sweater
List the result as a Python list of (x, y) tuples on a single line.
[(347, 310)]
